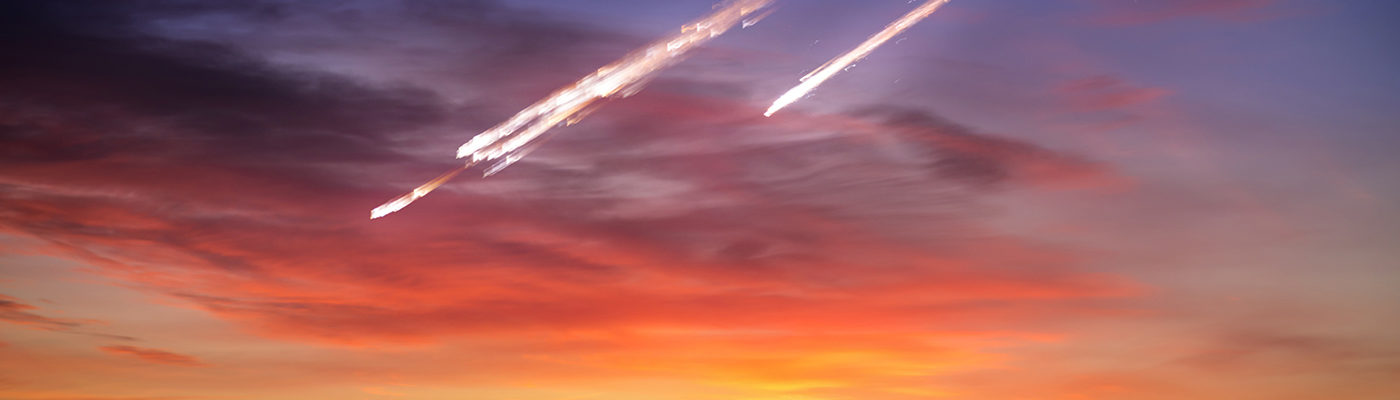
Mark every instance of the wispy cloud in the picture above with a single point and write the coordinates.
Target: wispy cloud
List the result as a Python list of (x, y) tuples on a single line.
[(12, 311), (154, 355), (712, 235), (221, 157), (16, 312)]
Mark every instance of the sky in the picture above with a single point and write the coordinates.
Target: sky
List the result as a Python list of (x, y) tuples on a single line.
[(1015, 199)]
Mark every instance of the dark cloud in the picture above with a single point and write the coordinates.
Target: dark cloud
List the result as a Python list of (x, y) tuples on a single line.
[(85, 84), (199, 169), (957, 153)]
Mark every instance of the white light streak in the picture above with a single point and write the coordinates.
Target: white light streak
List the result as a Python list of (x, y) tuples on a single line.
[(838, 64), (510, 140)]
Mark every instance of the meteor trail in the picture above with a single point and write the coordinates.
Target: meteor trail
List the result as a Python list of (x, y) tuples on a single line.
[(506, 143), (403, 201), (625, 75), (826, 71)]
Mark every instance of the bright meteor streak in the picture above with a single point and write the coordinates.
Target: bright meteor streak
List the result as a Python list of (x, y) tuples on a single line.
[(625, 76), (403, 201), (826, 71), (506, 143)]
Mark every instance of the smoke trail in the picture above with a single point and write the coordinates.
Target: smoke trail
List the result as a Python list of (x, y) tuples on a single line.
[(508, 142), (826, 71)]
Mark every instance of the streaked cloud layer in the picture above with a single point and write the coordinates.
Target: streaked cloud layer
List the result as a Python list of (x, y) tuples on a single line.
[(182, 192)]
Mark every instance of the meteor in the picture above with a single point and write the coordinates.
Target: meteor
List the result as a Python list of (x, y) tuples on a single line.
[(625, 75), (506, 143), (826, 71), (400, 202)]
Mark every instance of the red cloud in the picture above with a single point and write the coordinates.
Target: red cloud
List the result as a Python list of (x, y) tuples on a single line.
[(154, 355), (678, 233), (706, 227)]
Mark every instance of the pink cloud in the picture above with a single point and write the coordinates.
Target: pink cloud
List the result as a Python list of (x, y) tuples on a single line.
[(548, 254), (1107, 93), (681, 231)]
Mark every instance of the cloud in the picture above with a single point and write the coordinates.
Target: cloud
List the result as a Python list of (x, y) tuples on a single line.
[(1246, 351), (153, 355), (678, 228), (709, 235), (961, 154), (16, 312), (203, 174), (234, 110), (1107, 93), (12, 311)]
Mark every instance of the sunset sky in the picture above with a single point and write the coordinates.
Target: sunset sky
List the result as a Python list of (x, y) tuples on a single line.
[(1014, 200)]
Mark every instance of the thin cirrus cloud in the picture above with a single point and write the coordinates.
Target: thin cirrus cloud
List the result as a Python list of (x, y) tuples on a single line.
[(1107, 93), (179, 177), (14, 311), (154, 355)]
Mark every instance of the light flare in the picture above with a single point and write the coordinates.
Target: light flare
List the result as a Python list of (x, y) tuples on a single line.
[(838, 64), (506, 143)]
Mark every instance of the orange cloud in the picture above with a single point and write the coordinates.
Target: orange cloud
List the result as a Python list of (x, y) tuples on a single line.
[(13, 311), (153, 355), (736, 254), (819, 256)]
